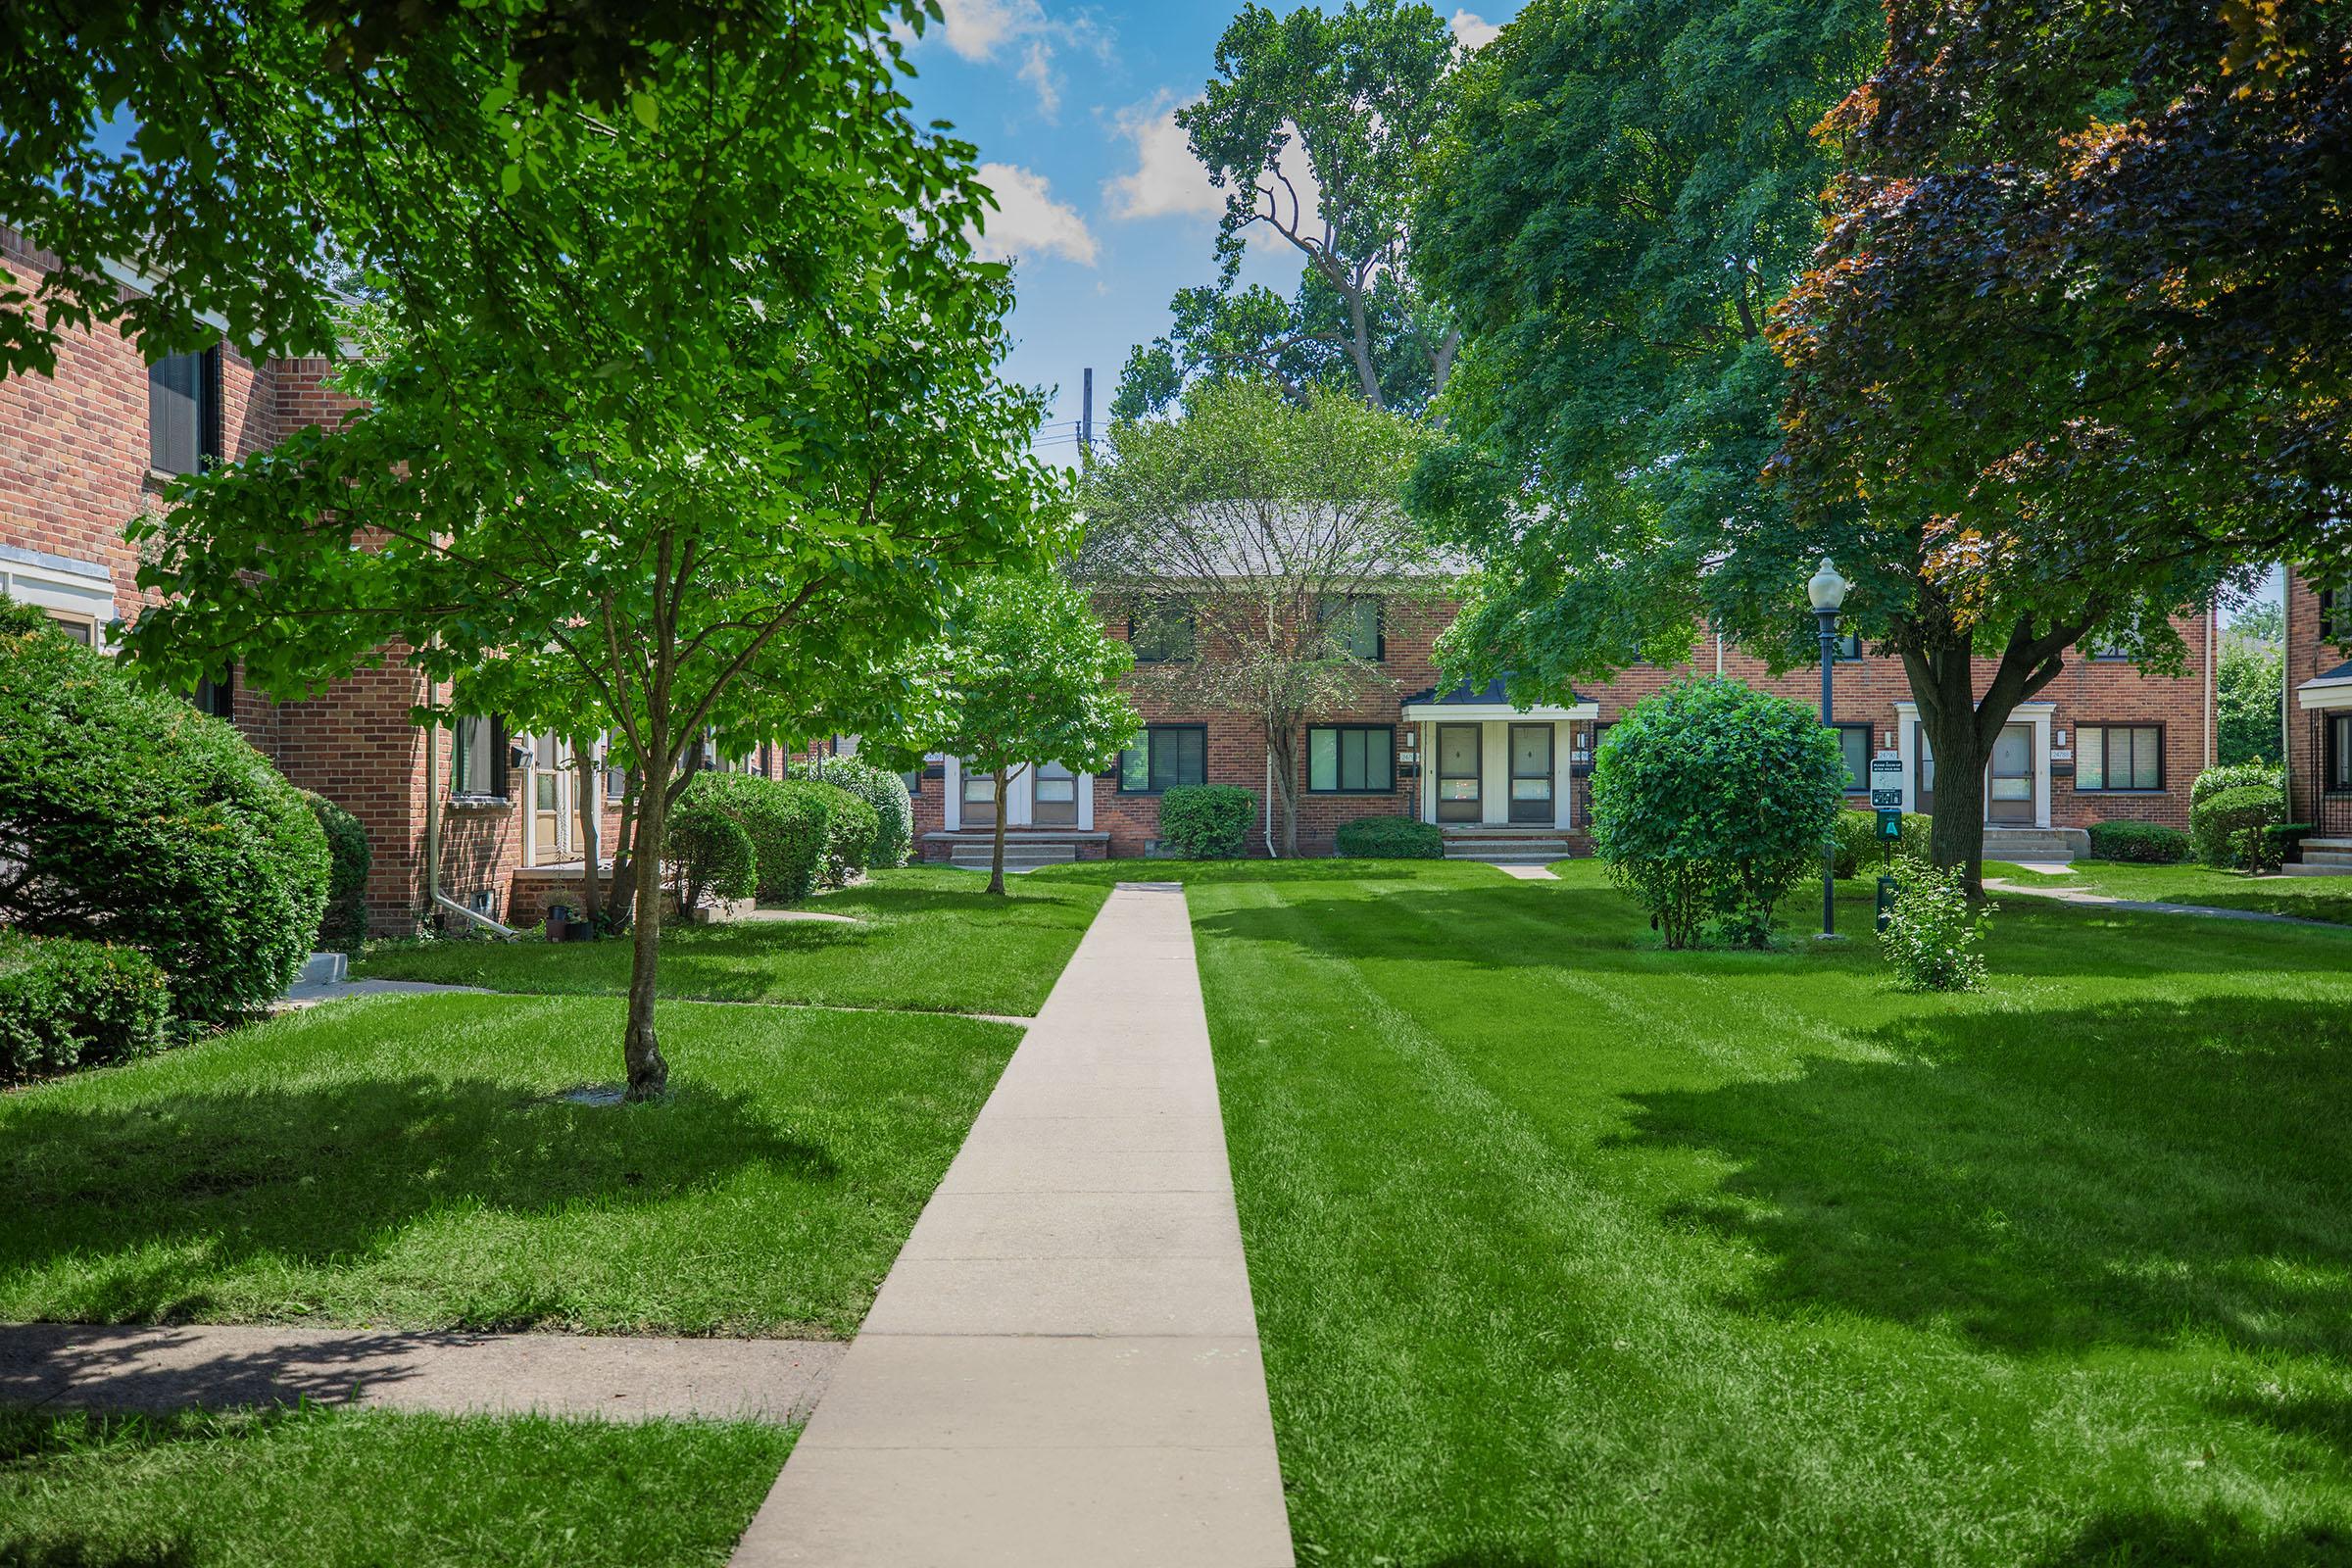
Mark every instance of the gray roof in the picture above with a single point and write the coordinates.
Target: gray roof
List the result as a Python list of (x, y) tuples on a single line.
[(1493, 694)]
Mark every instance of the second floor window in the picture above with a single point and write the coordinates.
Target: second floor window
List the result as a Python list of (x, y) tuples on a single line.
[(2335, 616), (184, 412), (1354, 622), (1162, 635), (478, 763)]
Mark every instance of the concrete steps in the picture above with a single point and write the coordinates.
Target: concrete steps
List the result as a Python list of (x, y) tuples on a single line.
[(1017, 857), (2036, 843), (2324, 858), (1508, 846)]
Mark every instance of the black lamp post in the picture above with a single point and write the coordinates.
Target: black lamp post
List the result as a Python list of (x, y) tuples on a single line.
[(1828, 592)]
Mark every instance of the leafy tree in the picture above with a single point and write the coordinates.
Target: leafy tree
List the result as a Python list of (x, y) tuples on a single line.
[(736, 436), (2250, 689), (1618, 208), (1360, 95), (1025, 675), (211, 144), (1252, 524)]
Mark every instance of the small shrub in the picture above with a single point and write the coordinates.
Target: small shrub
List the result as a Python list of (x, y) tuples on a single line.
[(1935, 938), (136, 820), (2287, 838), (1859, 845), (345, 926), (2236, 776), (1391, 838), (711, 856), (2226, 826), (1710, 800), (879, 788), (1205, 821), (67, 1003), (850, 828), (786, 822), (2148, 842)]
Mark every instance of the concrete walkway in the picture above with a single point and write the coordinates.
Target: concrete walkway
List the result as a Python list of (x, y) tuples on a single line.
[(2089, 899), (1528, 873), (1063, 1367), (608, 1376)]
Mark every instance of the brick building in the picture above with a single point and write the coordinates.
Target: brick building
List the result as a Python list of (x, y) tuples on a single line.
[(2319, 714), (86, 451), (2102, 742)]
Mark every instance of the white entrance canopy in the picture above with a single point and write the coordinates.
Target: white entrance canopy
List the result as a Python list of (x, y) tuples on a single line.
[(2332, 690), (1468, 704)]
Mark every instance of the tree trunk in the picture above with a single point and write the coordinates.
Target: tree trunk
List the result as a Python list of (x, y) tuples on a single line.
[(1360, 349), (996, 859), (592, 901), (649, 1074), (1282, 745)]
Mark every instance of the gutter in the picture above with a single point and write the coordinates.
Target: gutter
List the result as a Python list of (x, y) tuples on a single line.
[(435, 899), (2213, 625)]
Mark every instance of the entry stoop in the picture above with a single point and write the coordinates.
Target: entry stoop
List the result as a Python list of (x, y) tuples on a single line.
[(1025, 849), (2324, 858), (1508, 846), (2042, 844)]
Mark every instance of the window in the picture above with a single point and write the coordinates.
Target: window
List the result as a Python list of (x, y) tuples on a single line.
[(1850, 648), (1354, 621), (216, 695), (82, 629), (184, 412), (2109, 650), (479, 765), (2337, 766), (2335, 616), (1164, 756), (1854, 739), (1162, 635), (1352, 759), (2117, 757)]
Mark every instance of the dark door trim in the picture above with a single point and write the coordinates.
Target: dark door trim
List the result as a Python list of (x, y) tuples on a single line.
[(1470, 807)]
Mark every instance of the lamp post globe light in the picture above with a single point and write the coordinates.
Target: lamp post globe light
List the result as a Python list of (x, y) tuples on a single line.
[(1826, 590)]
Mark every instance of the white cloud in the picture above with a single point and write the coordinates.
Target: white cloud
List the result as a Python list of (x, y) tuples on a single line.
[(1028, 220), (981, 30), (1474, 31), (1167, 180)]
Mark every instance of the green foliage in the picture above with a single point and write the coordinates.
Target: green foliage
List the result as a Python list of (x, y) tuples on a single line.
[(127, 816), (67, 1003), (710, 854), (1350, 102), (2249, 693), (1391, 838), (2144, 843), (1935, 937), (786, 823), (1861, 849), (2227, 826), (881, 789), (348, 860), (1710, 800), (2236, 776), (850, 828), (1205, 821)]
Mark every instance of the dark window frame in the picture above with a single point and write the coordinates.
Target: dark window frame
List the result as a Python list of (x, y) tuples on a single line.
[(2335, 624), (1326, 612), (205, 440), (216, 695), (1859, 783), (2105, 757), (1149, 740), (464, 787), (2335, 754), (1141, 632), (1339, 761)]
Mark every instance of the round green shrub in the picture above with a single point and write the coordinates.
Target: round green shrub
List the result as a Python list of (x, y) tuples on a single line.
[(1710, 800), (1934, 938), (879, 788), (1860, 848), (1205, 821), (2236, 776), (850, 828), (2227, 826), (348, 860), (137, 820), (67, 1003), (786, 823), (2146, 843), (709, 854), (1391, 838)]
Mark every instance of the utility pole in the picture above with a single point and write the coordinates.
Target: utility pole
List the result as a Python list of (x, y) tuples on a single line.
[(1086, 413)]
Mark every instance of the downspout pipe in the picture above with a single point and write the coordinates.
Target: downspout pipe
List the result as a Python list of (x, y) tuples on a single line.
[(434, 897), (1270, 797)]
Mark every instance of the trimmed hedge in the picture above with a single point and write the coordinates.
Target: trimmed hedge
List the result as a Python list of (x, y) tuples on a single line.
[(2146, 843), (2227, 826), (68, 1004), (1205, 821), (879, 788), (1391, 838), (348, 860), (850, 828), (143, 822), (711, 855), (2236, 776), (786, 824), (1859, 843)]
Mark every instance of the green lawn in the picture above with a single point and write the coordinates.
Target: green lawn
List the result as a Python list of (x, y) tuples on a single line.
[(364, 1489), (402, 1160), (930, 939), (2311, 898), (1568, 1250)]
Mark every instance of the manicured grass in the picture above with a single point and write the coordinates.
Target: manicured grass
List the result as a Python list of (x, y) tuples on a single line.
[(400, 1160), (365, 1489), (1569, 1250), (2308, 898), (931, 939)]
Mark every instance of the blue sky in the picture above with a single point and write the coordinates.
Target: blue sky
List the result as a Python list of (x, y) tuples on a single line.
[(1105, 211)]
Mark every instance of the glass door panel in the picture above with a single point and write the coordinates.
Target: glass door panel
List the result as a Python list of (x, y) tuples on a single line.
[(1054, 797), (979, 798), (1457, 773), (2009, 778), (1530, 774)]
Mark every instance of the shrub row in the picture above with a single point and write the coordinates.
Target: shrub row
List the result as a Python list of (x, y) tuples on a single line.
[(2148, 842), (1392, 838), (879, 788), (797, 834), (69, 1004), (1860, 848), (1205, 821), (348, 860)]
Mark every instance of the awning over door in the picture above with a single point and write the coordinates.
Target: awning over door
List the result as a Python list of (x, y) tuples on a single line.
[(2332, 690), (1466, 704)]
